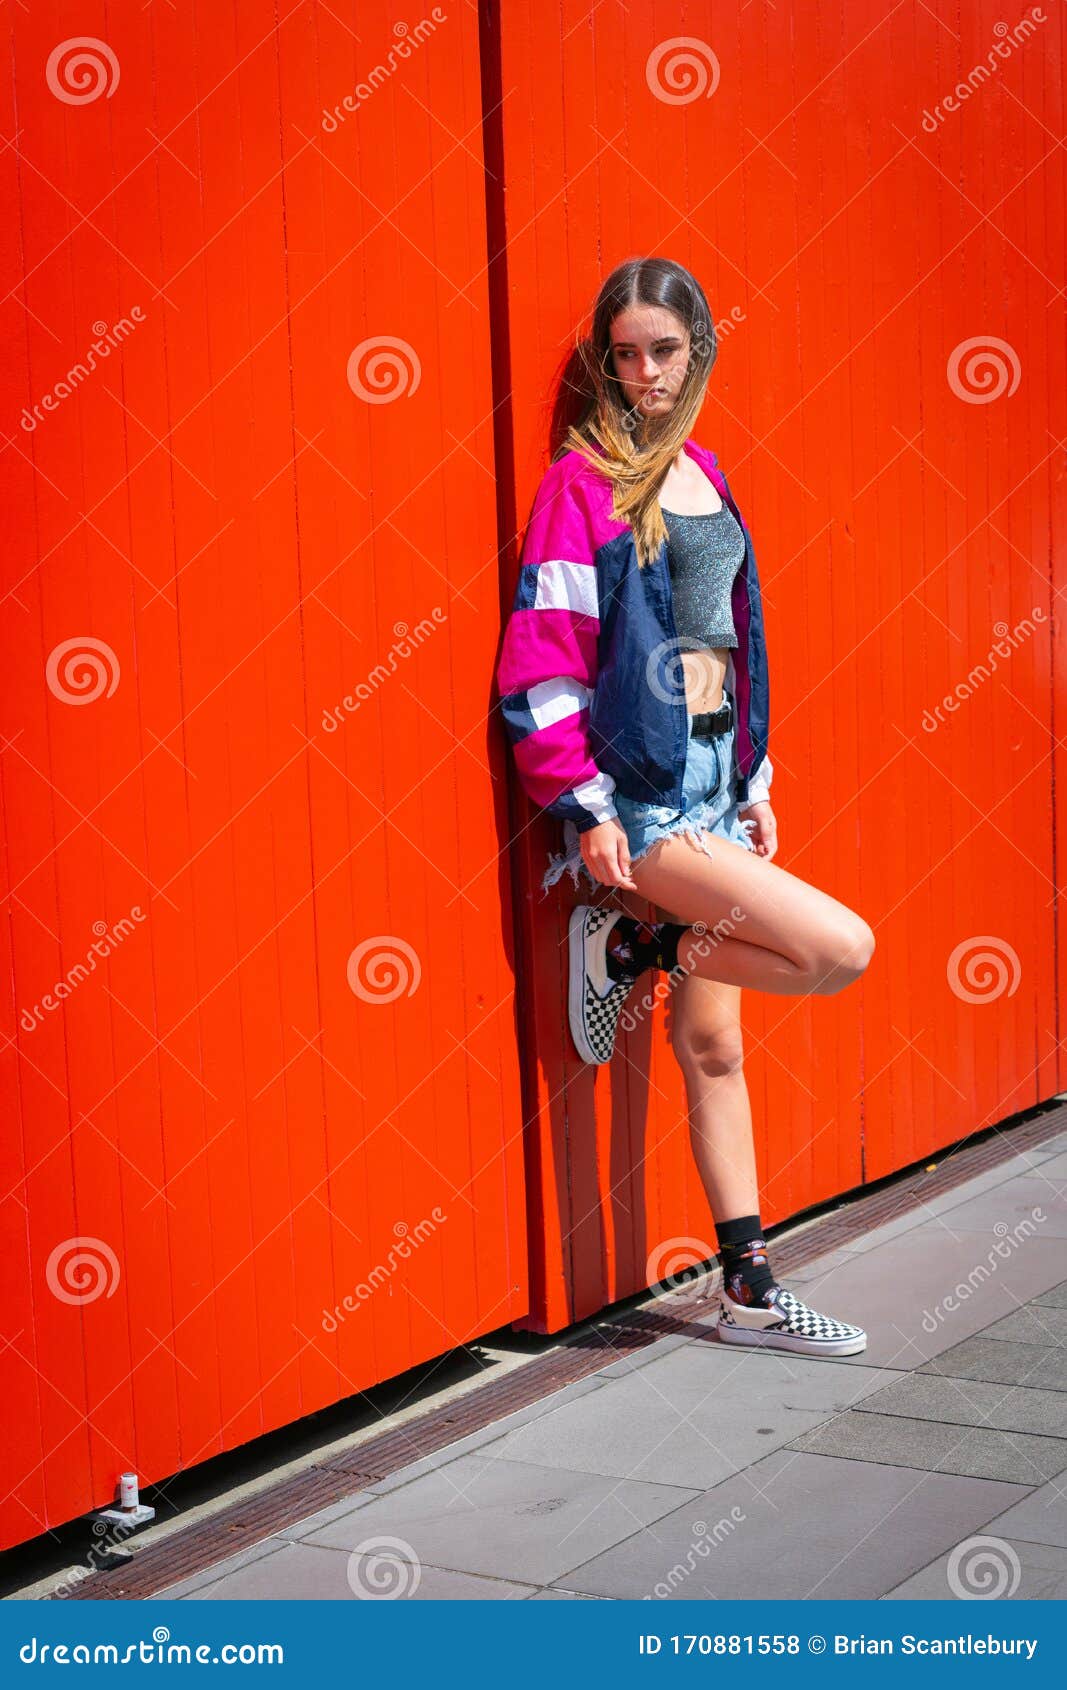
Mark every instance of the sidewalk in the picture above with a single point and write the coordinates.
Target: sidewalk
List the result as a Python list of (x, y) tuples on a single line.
[(692, 1470)]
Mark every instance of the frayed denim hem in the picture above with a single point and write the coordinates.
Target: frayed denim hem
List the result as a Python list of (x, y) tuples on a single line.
[(569, 862), (699, 824)]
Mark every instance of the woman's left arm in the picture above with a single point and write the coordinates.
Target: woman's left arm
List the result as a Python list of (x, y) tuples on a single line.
[(763, 833), (760, 785)]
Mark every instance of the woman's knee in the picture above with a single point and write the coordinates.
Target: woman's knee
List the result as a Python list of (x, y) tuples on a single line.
[(843, 954), (709, 1052)]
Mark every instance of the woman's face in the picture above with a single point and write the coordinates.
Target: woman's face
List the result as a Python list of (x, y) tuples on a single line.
[(649, 356)]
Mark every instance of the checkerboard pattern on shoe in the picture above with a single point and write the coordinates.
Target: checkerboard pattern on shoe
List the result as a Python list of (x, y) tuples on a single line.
[(594, 999), (783, 1322)]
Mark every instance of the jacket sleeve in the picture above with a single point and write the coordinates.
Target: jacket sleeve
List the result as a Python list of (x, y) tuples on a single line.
[(759, 787), (548, 663)]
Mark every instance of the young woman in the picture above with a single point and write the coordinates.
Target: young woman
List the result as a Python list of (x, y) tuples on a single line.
[(634, 690)]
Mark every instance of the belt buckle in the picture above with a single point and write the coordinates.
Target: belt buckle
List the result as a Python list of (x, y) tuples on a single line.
[(708, 724), (719, 720)]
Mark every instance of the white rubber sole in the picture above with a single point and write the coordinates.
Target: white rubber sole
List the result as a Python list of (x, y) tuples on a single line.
[(773, 1338), (576, 985), (788, 1341)]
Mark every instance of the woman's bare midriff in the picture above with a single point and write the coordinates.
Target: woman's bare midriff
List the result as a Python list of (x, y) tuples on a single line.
[(687, 490)]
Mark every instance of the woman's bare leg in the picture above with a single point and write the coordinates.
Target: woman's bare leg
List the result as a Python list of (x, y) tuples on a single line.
[(704, 1023), (764, 927), (704, 1029)]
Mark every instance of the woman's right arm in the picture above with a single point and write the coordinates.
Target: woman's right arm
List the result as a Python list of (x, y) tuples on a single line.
[(547, 672), (548, 662)]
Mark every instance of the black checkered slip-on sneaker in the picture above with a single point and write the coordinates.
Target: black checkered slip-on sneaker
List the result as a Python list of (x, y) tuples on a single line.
[(783, 1322), (594, 998)]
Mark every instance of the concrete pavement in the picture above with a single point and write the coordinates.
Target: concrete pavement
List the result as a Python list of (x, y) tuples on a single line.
[(693, 1470)]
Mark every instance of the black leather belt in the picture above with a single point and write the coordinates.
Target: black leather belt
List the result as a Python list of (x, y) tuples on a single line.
[(709, 723)]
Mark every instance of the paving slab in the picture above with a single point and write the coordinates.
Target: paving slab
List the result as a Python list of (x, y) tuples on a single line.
[(511, 1519), (543, 1410), (552, 1595), (1051, 1148), (1024, 1206), (1002, 1361), (983, 1452), (819, 1270), (1034, 1323), (243, 1558), (303, 1573), (691, 1417), (640, 1358), (1009, 1571), (1056, 1298), (971, 1402), (1055, 1167), (796, 1527), (941, 1205), (1040, 1517), (544, 1406)]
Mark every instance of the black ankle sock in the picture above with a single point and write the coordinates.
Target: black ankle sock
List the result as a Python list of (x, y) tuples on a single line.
[(634, 946), (746, 1272)]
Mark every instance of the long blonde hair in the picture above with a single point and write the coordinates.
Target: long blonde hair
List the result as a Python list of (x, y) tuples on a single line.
[(633, 451)]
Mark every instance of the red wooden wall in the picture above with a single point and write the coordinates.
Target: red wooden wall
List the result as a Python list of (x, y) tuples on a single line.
[(251, 613), (242, 522), (901, 520)]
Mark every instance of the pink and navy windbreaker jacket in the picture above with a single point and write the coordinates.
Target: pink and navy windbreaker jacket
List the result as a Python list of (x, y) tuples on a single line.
[(591, 689)]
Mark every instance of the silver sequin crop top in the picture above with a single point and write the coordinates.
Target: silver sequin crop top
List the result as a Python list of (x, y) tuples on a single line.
[(704, 553)]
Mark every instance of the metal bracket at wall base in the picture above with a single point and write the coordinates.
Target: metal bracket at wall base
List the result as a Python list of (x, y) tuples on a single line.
[(136, 1516), (109, 1528)]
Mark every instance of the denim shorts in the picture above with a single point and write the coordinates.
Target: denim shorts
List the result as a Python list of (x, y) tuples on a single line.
[(707, 809)]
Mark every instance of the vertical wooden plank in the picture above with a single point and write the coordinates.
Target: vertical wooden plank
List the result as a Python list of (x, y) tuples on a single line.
[(1050, 70), (21, 710), (173, 494), (77, 1244)]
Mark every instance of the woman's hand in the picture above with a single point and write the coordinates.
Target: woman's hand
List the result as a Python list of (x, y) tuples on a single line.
[(606, 854), (764, 835)]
